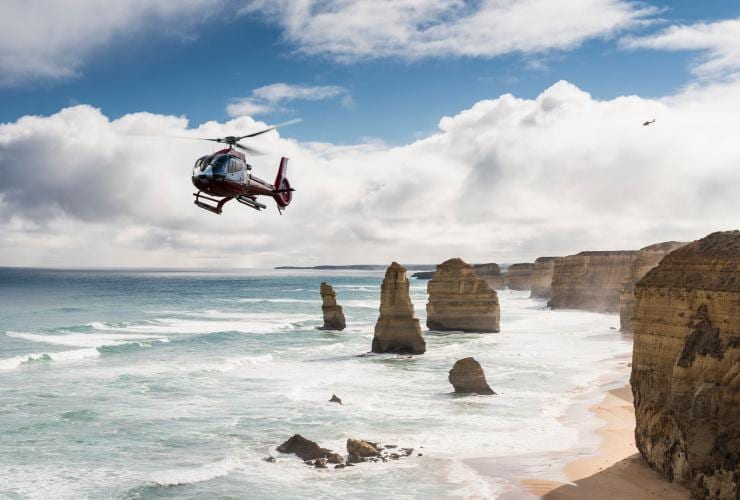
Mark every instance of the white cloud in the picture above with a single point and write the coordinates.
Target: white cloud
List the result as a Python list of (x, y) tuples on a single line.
[(49, 39), (507, 180), (719, 41), (271, 97), (352, 30)]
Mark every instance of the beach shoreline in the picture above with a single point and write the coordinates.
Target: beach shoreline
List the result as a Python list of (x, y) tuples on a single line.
[(605, 464)]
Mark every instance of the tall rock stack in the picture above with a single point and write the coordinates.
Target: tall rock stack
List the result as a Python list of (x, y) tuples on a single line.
[(397, 330), (686, 366), (647, 258), (492, 274), (542, 277), (591, 281), (333, 314), (519, 276), (460, 300)]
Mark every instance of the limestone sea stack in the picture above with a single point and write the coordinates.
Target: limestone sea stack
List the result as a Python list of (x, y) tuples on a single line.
[(591, 281), (542, 277), (397, 330), (646, 259), (686, 366), (333, 315), (461, 300), (490, 272), (467, 377), (519, 276)]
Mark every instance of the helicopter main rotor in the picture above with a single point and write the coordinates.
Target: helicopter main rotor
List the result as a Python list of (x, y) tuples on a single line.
[(233, 140)]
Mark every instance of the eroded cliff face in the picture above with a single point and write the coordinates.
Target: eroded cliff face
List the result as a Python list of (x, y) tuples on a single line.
[(519, 276), (397, 330), (686, 366), (542, 277), (461, 300), (492, 274), (646, 259), (333, 314), (591, 281)]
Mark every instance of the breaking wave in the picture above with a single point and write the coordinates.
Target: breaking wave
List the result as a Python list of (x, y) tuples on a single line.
[(176, 477)]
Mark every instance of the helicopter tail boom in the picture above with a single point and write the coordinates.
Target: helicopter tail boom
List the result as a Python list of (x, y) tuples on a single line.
[(283, 193)]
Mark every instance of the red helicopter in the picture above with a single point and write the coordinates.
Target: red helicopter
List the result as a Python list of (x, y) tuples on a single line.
[(225, 175)]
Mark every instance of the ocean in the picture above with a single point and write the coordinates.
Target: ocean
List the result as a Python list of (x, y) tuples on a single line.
[(142, 384)]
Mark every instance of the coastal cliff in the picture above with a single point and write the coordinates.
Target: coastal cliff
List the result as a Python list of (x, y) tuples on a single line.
[(490, 272), (519, 276), (461, 300), (542, 277), (646, 259), (591, 281), (686, 366), (397, 330), (333, 314)]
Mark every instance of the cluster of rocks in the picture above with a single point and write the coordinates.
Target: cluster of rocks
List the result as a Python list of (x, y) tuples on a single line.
[(358, 451), (460, 300), (686, 366), (542, 272)]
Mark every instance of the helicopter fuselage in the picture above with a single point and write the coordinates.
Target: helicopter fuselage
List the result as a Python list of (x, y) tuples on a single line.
[(226, 175)]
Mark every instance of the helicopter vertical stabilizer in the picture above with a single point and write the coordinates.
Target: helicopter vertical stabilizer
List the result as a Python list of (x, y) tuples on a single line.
[(283, 193)]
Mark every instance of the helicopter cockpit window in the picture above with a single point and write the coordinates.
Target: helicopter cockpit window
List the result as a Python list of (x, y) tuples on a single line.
[(235, 166), (220, 164)]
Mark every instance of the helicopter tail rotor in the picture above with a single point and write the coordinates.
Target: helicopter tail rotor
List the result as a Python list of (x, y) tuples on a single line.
[(283, 193)]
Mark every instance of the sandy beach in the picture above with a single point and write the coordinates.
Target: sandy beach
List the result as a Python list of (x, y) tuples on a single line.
[(616, 471)]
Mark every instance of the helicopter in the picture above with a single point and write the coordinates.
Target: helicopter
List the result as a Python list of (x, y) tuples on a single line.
[(225, 175)]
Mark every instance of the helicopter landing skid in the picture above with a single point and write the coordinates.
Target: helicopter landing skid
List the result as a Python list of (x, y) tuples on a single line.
[(211, 208), (250, 202)]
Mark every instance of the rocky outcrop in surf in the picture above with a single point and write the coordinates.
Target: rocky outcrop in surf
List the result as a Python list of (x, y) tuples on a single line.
[(460, 300), (358, 451), (467, 376), (686, 366), (305, 448), (542, 277), (333, 314), (490, 272), (397, 330), (519, 276), (591, 281), (646, 259)]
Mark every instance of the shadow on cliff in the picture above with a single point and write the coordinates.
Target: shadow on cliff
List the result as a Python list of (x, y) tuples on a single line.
[(629, 478)]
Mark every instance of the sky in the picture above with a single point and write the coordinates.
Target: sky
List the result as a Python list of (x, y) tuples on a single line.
[(493, 130)]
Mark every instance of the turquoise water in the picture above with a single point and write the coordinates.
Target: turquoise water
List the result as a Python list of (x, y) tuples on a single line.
[(176, 384)]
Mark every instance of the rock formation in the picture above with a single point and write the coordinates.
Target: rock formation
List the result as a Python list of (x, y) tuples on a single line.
[(304, 448), (646, 259), (590, 280), (492, 274), (467, 376), (335, 399), (359, 450), (397, 330), (686, 366), (459, 299), (542, 277), (333, 315), (519, 276)]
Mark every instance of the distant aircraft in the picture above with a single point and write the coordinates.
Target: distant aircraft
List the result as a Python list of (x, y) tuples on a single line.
[(645, 124)]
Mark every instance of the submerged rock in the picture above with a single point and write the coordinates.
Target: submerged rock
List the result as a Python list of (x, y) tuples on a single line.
[(519, 276), (590, 281), (304, 448), (333, 315), (397, 330), (542, 272), (467, 376), (646, 259), (460, 300), (335, 399), (686, 366)]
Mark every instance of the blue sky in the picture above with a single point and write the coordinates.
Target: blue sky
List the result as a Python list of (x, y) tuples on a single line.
[(197, 72)]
